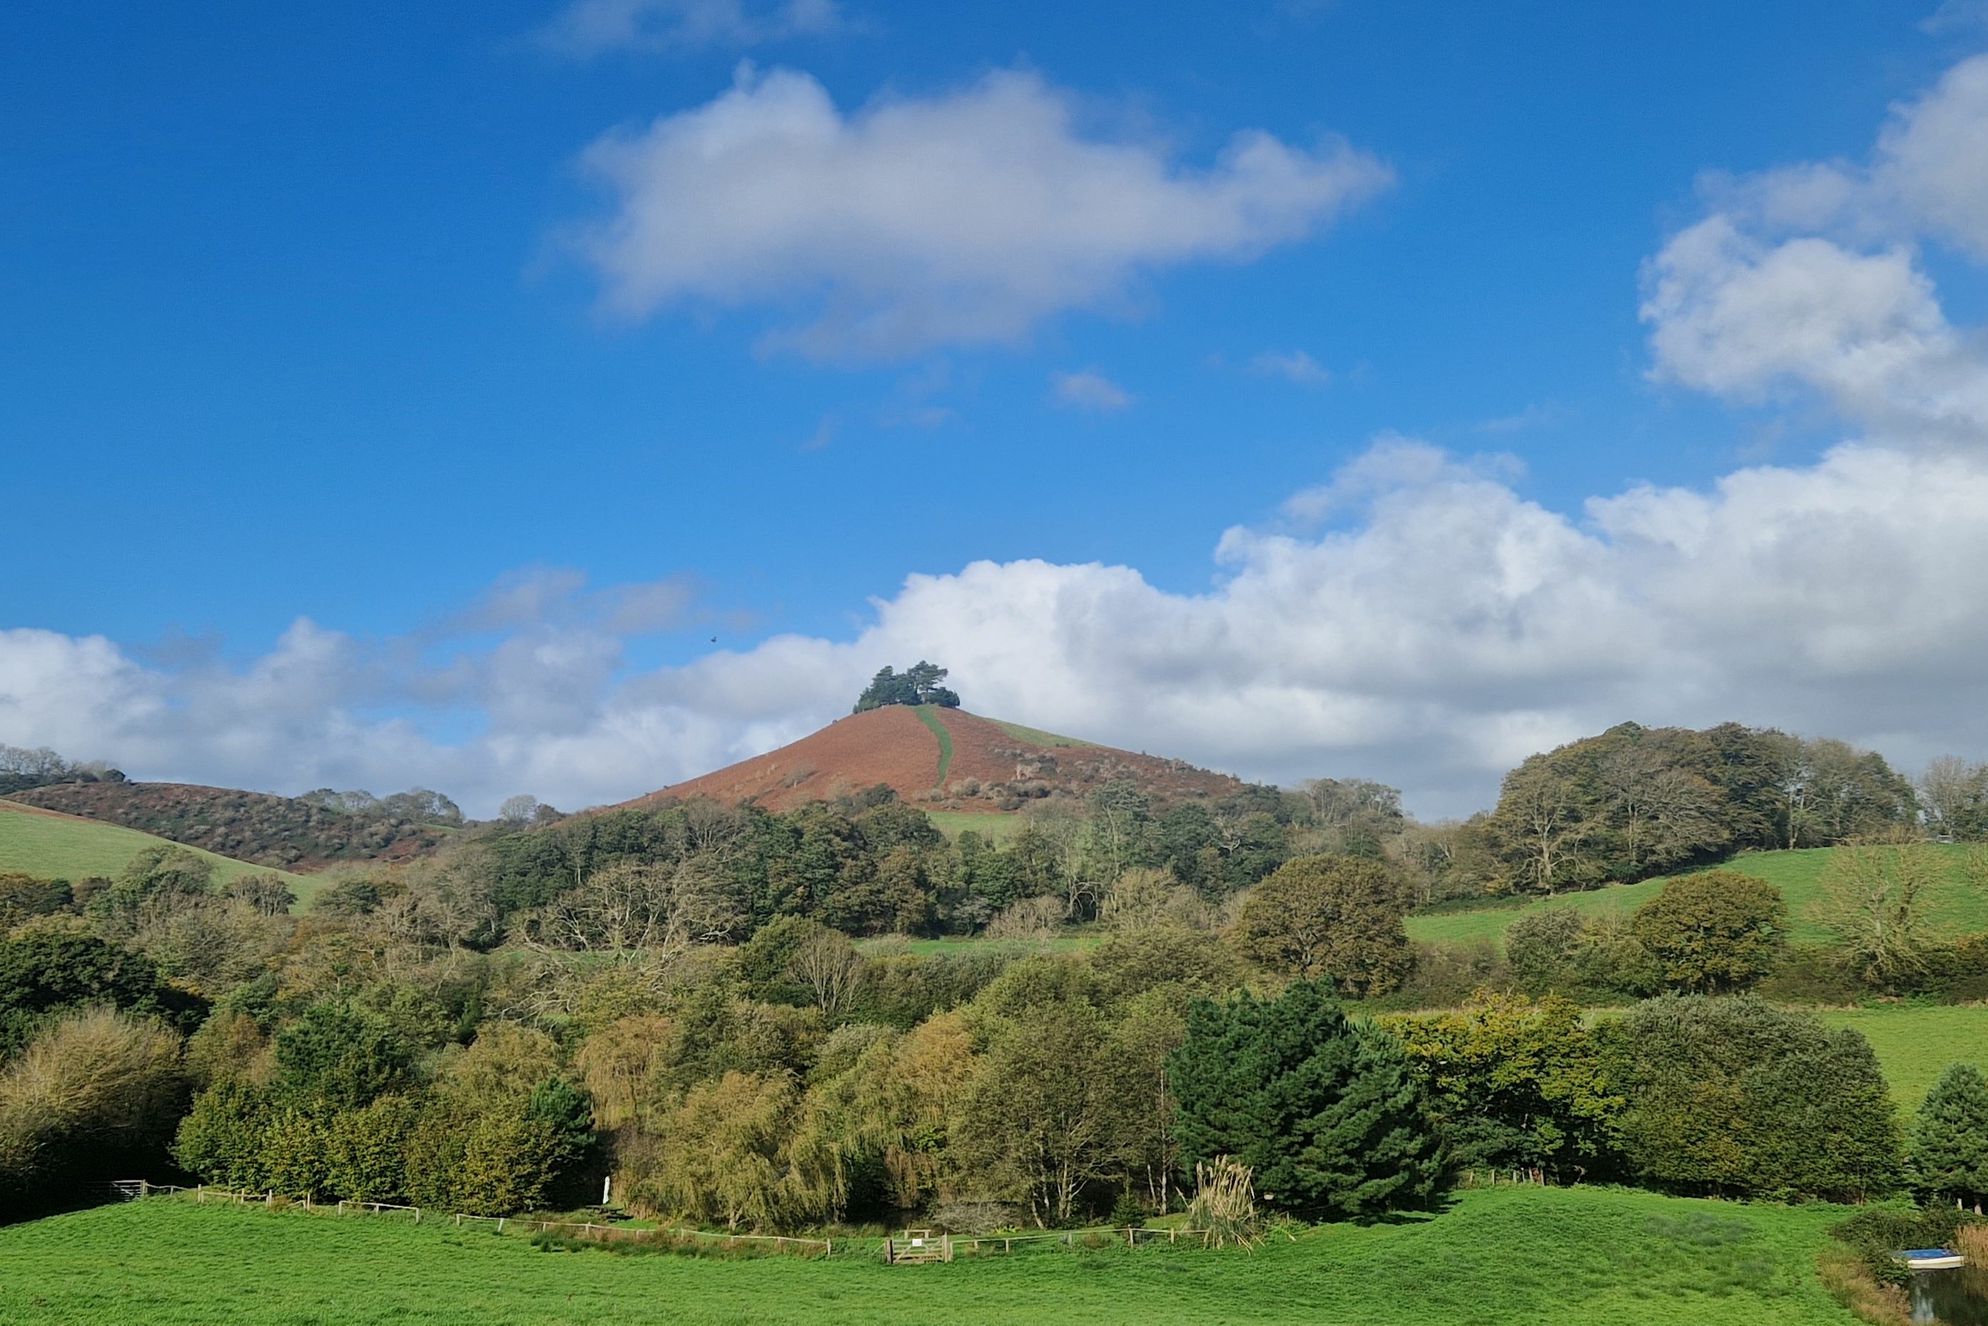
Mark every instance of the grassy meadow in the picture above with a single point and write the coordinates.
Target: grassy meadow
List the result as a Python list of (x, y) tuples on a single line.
[(1915, 1043), (1959, 907), (1498, 1257), (1035, 736), (993, 827), (932, 948), (945, 739), (64, 847)]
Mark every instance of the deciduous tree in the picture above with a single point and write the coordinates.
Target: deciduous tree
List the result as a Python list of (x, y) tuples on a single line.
[(1336, 919)]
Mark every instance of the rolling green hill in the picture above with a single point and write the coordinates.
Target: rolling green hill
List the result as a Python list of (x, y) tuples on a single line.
[(1957, 908), (1497, 1257), (54, 846)]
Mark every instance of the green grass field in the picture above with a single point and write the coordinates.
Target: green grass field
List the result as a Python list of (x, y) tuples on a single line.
[(930, 719), (1501, 1257), (929, 948), (996, 828), (1959, 907), (1915, 1044), (1035, 736), (59, 847)]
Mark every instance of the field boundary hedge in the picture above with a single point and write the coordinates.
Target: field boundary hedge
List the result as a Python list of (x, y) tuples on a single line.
[(1131, 1236)]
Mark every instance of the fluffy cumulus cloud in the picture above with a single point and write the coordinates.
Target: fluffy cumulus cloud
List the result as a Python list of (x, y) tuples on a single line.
[(1432, 628), (1415, 616), (593, 27), (1812, 277), (961, 218)]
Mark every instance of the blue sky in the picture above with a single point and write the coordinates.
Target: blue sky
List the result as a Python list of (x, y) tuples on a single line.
[(521, 350)]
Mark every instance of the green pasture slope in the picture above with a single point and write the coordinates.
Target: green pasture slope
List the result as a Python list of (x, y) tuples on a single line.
[(930, 719), (1915, 1043), (63, 847), (968, 944), (991, 826), (1035, 736), (1502, 1257), (1957, 908)]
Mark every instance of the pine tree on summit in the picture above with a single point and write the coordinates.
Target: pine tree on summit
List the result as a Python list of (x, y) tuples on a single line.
[(917, 684)]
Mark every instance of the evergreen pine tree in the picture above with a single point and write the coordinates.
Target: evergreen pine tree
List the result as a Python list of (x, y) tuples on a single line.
[(1950, 1146), (1326, 1111)]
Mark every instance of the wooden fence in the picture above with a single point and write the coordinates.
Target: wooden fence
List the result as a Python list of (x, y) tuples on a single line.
[(132, 1189), (896, 1251)]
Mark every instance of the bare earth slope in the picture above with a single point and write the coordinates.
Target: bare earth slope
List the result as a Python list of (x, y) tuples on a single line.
[(993, 766)]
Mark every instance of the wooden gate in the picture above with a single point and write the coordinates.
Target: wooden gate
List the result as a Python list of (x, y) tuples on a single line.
[(918, 1245)]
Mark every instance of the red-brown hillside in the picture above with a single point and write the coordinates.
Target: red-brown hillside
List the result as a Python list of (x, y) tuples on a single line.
[(993, 766)]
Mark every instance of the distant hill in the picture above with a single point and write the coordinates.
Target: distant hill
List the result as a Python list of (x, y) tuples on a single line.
[(51, 845), (280, 832), (944, 760)]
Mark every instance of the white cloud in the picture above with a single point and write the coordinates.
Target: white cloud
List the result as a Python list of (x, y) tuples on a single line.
[(1810, 276), (1930, 158), (592, 27), (1293, 366), (961, 218), (1414, 617), (1443, 628), (1088, 390)]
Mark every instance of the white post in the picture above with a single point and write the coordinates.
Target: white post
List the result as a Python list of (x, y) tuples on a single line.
[(607, 1189)]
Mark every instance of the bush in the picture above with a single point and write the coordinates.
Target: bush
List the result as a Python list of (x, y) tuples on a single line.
[(96, 1091), (1224, 1204), (1733, 1096), (1446, 975)]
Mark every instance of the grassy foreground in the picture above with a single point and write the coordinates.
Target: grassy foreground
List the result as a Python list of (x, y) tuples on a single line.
[(1501, 1257), (1956, 908), (52, 846)]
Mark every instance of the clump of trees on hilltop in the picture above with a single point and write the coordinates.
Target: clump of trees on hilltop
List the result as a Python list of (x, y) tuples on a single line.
[(917, 684), (23, 767)]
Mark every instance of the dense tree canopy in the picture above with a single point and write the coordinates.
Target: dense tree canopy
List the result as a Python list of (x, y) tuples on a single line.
[(1333, 919), (1635, 802), (1517, 1085), (1950, 1141), (1714, 932), (917, 684), (1328, 1113), (1734, 1096)]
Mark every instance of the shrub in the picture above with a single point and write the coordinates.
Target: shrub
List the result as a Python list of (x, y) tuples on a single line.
[(1224, 1204), (1734, 1096), (96, 1090)]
